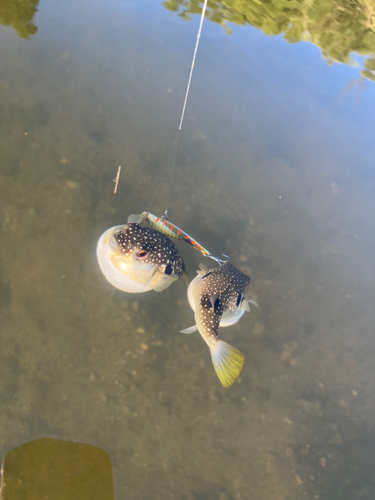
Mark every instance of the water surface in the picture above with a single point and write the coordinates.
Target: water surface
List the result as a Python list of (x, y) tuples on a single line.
[(274, 168)]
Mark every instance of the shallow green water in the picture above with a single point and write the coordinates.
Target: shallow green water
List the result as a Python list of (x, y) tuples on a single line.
[(274, 169)]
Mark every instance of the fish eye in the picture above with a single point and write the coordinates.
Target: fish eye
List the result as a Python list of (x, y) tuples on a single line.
[(142, 254)]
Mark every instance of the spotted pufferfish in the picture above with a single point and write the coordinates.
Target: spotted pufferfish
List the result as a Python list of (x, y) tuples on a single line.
[(136, 259), (217, 297)]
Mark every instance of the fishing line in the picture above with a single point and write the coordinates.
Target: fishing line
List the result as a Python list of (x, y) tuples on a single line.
[(165, 169), (172, 171), (175, 144), (193, 62)]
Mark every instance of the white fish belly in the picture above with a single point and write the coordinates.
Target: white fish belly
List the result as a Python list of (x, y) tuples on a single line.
[(193, 291), (115, 277)]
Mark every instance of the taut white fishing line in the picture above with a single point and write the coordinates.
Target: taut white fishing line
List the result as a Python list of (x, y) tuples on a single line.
[(193, 62), (175, 143)]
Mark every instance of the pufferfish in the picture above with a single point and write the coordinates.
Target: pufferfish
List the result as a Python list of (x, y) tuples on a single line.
[(136, 259), (217, 297)]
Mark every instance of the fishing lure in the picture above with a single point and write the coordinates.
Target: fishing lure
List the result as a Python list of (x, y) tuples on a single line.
[(171, 230)]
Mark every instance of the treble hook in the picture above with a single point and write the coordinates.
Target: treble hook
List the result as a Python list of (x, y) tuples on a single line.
[(219, 261)]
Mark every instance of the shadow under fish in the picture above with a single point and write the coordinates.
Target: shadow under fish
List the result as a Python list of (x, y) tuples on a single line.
[(136, 259), (217, 297)]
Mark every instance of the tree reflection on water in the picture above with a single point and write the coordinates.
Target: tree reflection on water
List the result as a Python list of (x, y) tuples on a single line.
[(338, 28), (19, 15)]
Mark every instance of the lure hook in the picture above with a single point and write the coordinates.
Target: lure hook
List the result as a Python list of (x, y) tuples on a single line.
[(219, 261)]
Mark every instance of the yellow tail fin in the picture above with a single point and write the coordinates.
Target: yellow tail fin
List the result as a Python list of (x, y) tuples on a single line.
[(228, 362)]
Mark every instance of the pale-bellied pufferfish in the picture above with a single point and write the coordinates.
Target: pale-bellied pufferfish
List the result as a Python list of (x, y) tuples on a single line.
[(217, 297), (136, 259)]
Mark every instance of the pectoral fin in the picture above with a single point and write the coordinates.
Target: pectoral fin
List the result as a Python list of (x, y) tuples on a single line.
[(213, 299), (185, 276), (253, 302), (192, 329), (161, 281), (246, 306)]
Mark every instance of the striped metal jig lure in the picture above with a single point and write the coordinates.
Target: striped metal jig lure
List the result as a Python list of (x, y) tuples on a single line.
[(164, 226)]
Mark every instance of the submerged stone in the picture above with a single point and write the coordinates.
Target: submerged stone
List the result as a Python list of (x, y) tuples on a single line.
[(58, 470)]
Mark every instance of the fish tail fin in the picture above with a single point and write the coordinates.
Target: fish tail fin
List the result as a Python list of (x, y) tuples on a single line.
[(227, 361)]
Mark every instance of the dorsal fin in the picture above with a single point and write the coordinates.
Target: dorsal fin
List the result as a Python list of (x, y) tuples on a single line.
[(137, 218), (202, 270)]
